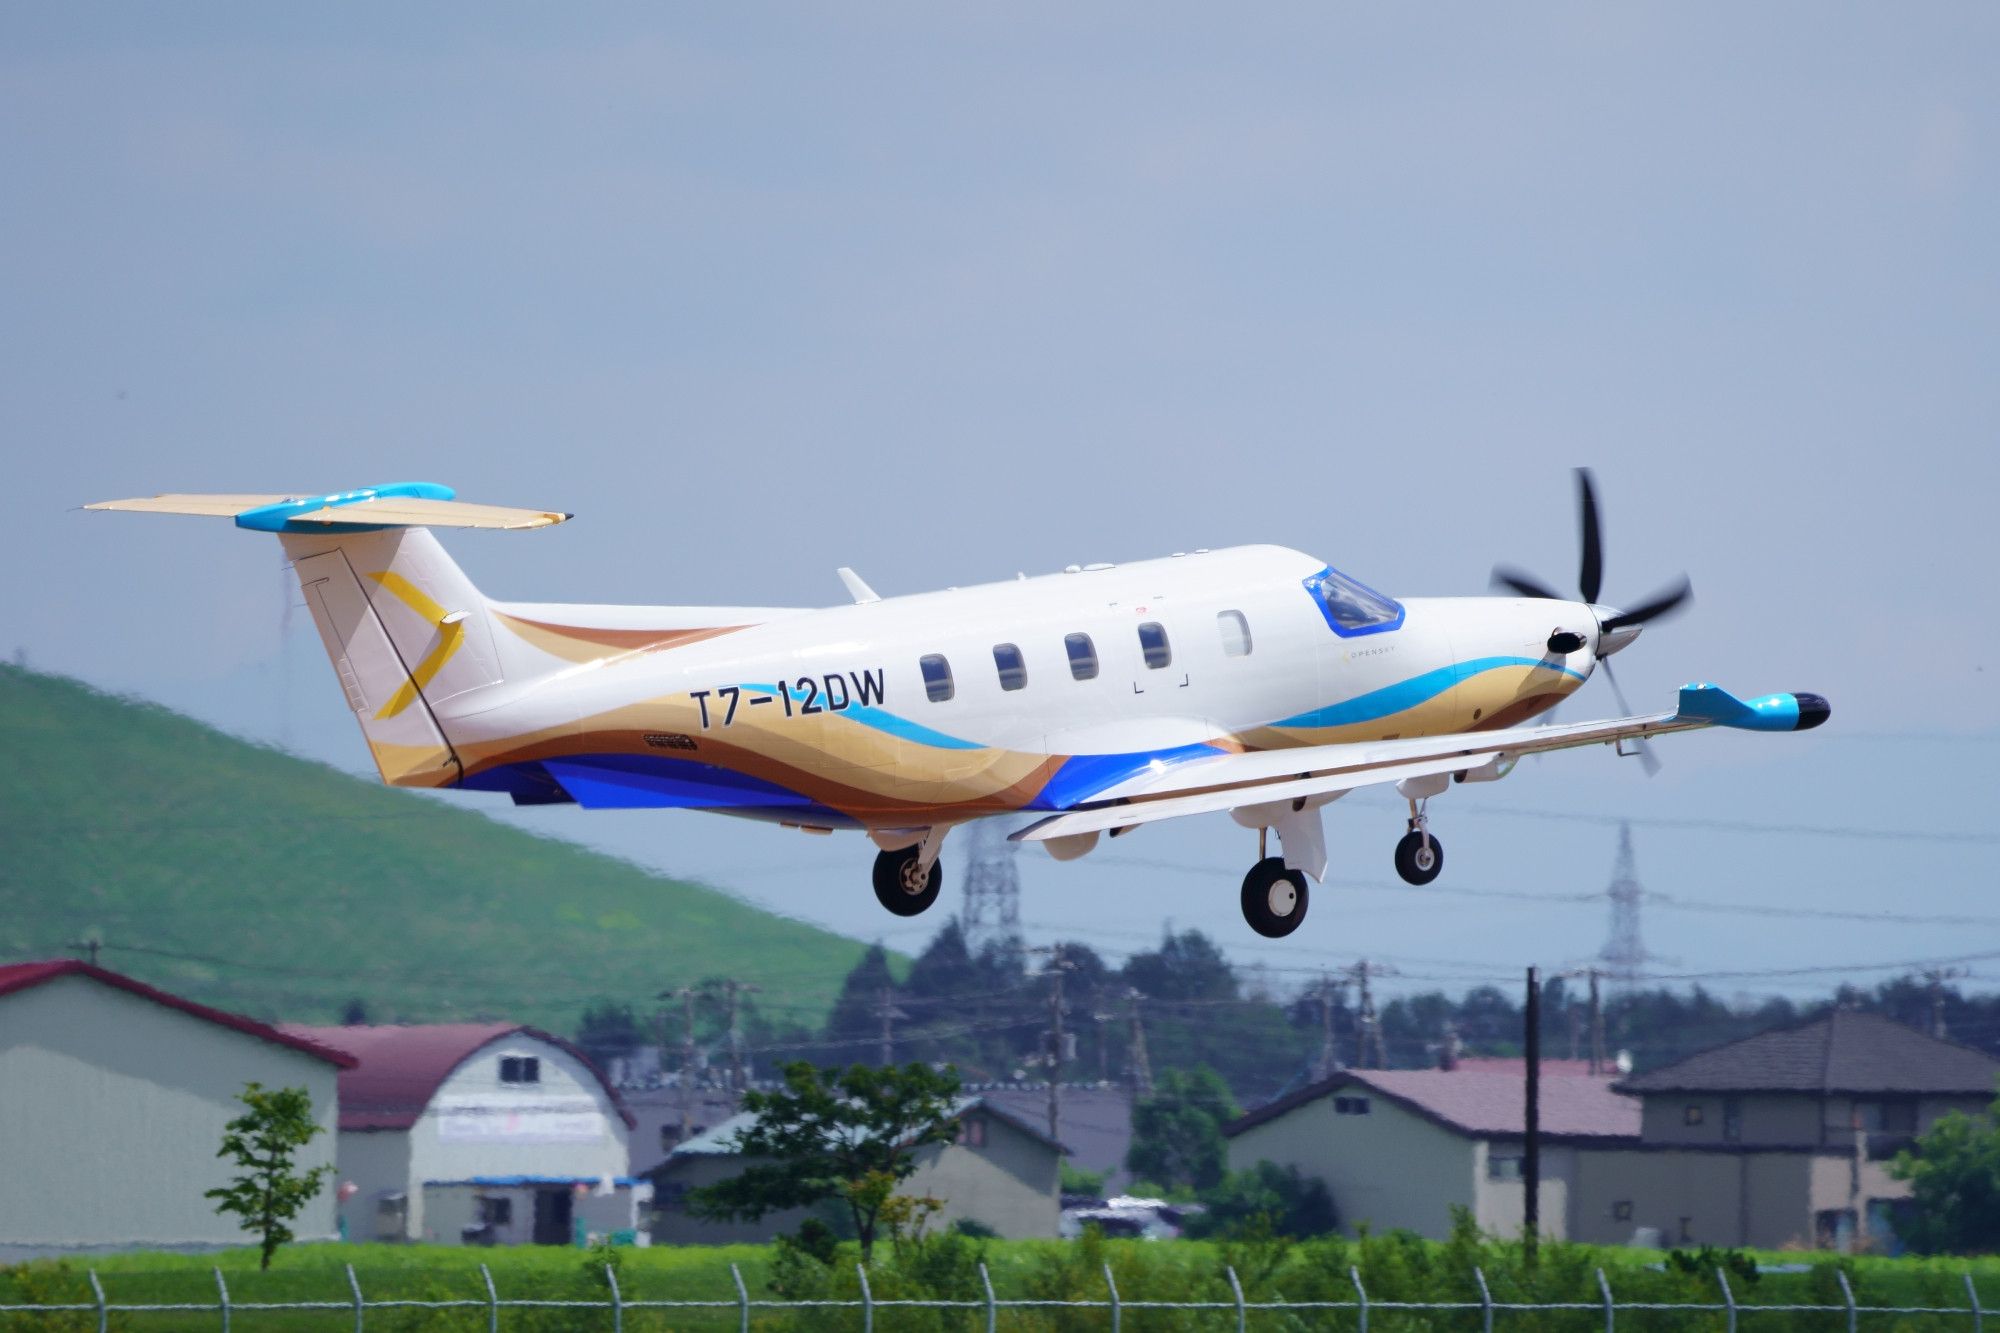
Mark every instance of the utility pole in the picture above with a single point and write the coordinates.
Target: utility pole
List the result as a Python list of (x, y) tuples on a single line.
[(735, 989), (886, 1010), (1934, 979), (1329, 1055), (1531, 1158), (686, 995), (89, 946), (1596, 975), (1368, 1032), (1057, 966), (1142, 1065)]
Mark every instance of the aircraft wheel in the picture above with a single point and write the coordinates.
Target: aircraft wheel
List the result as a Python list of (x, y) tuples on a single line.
[(1274, 898), (901, 886), (1419, 861)]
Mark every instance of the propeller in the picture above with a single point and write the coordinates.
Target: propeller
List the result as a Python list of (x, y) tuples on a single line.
[(1590, 583)]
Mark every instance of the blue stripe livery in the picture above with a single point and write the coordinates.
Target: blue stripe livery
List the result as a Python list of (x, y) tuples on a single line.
[(1407, 694), (278, 517)]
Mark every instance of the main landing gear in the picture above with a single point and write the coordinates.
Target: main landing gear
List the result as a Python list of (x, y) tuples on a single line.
[(904, 884), (1274, 898), (1419, 856)]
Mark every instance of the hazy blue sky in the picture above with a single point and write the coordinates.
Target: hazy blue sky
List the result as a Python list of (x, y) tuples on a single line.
[(943, 294)]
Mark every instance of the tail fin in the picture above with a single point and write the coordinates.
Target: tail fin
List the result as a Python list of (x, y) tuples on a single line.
[(405, 629)]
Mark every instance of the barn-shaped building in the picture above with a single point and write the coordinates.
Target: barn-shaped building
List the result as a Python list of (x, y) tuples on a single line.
[(479, 1133)]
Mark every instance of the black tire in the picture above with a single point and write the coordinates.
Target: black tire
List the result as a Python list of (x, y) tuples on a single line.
[(1412, 862), (895, 872), (1274, 898)]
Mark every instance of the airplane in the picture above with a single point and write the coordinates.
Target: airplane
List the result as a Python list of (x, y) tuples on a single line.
[(1256, 680)]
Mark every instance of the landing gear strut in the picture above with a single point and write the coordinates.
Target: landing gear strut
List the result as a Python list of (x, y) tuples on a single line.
[(903, 885), (1419, 856), (1274, 898)]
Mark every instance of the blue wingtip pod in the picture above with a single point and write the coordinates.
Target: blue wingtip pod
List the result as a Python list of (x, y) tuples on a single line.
[(278, 517), (1796, 711)]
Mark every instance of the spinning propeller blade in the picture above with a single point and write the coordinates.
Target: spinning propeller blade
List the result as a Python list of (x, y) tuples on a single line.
[(1659, 604), (1525, 584), (1647, 759), (1590, 574)]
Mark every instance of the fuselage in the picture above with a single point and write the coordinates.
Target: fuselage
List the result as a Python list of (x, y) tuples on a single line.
[(1026, 695)]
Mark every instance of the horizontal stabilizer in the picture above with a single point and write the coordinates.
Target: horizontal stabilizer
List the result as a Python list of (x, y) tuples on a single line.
[(409, 504)]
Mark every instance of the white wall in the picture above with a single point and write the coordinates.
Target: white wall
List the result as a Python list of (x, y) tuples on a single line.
[(1389, 1168), (111, 1110)]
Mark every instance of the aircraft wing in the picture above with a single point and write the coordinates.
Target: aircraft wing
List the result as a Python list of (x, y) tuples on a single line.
[(1230, 781)]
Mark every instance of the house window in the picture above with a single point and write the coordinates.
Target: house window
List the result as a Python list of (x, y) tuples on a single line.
[(1013, 670), (1621, 1211), (1350, 1106), (496, 1211), (520, 1069), (1732, 1119), (1153, 642), (1692, 1115), (1235, 633), (1503, 1168), (1082, 656), (972, 1132), (937, 677)]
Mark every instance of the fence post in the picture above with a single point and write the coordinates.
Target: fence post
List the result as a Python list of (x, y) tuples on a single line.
[(1853, 1319), (1971, 1295), (1361, 1294), (1236, 1287), (617, 1301), (492, 1300), (104, 1316), (1728, 1297), (1485, 1300), (222, 1288), (1610, 1306), (742, 1297), (867, 1300), (992, 1315), (1117, 1308), (354, 1285)]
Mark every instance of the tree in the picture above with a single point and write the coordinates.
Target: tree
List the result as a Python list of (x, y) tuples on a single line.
[(855, 1021), (1187, 966), (1177, 1132), (850, 1136), (608, 1031), (262, 1142), (1954, 1176), (1268, 1199)]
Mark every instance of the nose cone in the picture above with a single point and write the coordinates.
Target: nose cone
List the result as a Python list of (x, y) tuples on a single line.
[(1609, 642)]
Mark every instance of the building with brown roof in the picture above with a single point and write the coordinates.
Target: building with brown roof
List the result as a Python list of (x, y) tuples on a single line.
[(1785, 1137), (482, 1133), (1404, 1147), (114, 1097)]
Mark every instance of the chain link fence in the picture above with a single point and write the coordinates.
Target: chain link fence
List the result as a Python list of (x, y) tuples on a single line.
[(990, 1310)]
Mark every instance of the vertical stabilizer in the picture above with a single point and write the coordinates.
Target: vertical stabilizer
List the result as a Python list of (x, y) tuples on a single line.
[(406, 632)]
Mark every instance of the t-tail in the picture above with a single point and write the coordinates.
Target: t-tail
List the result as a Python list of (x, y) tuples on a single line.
[(405, 629)]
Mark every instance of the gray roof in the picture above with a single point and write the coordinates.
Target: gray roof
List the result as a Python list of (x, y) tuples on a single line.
[(1843, 1052), (720, 1140)]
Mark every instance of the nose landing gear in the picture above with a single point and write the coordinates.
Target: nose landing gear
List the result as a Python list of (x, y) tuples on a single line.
[(1419, 856)]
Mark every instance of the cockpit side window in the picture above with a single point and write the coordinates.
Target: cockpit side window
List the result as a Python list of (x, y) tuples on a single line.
[(1351, 608)]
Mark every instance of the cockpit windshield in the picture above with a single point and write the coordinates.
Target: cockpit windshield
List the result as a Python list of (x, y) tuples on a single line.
[(1349, 607)]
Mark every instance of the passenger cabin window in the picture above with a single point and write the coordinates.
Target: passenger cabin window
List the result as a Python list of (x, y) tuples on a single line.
[(1082, 656), (1235, 633), (1153, 641), (1013, 671), (1349, 607), (520, 1069), (937, 677)]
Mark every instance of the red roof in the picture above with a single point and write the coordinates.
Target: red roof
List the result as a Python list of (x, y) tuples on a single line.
[(398, 1070), (1481, 1103), (23, 976)]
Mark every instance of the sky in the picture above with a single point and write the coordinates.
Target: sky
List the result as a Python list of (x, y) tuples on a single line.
[(947, 293)]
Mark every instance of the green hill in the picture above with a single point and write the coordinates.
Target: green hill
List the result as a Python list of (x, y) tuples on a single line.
[(244, 877)]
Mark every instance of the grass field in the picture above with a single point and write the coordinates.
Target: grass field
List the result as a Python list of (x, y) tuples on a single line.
[(246, 878), (1393, 1268)]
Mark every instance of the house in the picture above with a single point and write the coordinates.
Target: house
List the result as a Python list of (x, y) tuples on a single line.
[(1002, 1172), (657, 1113), (1094, 1122), (478, 1133), (113, 1100), (1782, 1138), (1402, 1148)]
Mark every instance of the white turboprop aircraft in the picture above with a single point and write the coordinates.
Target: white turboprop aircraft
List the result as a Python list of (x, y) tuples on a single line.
[(1255, 680)]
